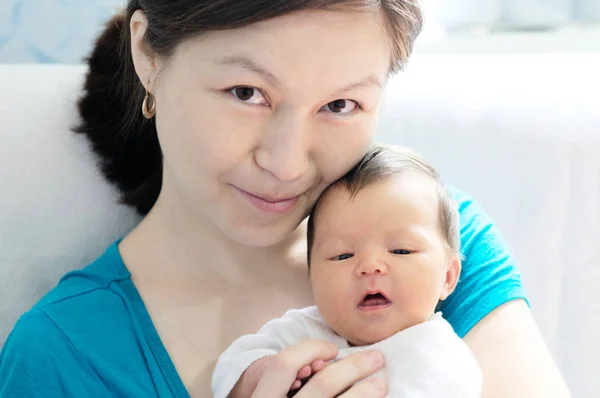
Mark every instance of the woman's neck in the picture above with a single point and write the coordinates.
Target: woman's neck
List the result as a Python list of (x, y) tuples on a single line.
[(170, 245)]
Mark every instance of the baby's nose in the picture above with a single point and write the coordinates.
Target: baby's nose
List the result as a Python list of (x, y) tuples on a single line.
[(371, 267)]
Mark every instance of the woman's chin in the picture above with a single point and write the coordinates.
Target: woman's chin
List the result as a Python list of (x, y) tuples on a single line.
[(262, 236)]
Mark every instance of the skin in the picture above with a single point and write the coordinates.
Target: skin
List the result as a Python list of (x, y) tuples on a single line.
[(388, 238), (206, 255)]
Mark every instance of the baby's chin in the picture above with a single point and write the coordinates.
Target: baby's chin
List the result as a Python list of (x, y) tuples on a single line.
[(371, 337), (371, 333)]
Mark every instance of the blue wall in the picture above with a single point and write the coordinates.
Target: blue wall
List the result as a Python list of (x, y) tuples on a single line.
[(62, 31), (51, 31)]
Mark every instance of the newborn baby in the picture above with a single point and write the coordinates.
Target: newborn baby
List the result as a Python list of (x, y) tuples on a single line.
[(383, 250)]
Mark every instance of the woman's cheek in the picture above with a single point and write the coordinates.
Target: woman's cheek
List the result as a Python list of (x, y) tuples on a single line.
[(341, 149)]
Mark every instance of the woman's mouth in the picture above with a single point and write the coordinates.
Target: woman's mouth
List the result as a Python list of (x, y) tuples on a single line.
[(374, 301), (270, 205)]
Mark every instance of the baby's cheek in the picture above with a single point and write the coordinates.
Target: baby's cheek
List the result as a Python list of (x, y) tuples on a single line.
[(339, 320), (328, 300), (333, 309), (332, 296), (416, 305)]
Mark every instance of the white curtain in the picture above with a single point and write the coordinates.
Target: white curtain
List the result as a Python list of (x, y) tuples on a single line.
[(513, 14)]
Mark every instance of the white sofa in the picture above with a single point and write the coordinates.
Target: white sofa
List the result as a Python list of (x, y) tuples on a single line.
[(520, 133)]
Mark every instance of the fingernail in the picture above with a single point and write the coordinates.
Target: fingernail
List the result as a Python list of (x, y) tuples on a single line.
[(378, 384), (376, 357)]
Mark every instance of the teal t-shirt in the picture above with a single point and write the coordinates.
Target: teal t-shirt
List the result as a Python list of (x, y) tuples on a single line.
[(92, 336)]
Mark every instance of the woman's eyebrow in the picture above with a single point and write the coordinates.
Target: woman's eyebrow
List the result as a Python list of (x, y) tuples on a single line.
[(367, 82), (246, 63), (250, 65)]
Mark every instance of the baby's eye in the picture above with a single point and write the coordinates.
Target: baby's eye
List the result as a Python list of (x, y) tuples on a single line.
[(342, 106), (249, 95), (343, 257), (401, 252)]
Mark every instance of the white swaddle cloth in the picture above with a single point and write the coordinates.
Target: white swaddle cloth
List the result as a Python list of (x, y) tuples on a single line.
[(426, 360)]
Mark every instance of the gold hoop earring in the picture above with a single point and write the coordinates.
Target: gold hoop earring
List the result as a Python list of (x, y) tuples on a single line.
[(149, 113)]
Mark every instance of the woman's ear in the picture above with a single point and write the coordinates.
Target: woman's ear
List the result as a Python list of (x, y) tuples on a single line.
[(452, 275), (144, 60)]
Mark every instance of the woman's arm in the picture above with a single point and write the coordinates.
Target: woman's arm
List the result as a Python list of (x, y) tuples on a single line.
[(489, 310), (513, 356)]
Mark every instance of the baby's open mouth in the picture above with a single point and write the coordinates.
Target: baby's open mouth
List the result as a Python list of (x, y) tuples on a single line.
[(373, 301)]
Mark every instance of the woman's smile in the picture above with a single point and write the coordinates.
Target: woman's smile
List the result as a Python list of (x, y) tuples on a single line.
[(268, 203)]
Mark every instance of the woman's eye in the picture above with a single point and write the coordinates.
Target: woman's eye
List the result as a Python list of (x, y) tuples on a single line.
[(342, 106), (401, 252), (249, 95), (342, 257)]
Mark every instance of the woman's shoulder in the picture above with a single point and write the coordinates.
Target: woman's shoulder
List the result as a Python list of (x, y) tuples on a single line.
[(478, 229), (489, 276), (84, 303), (37, 355), (468, 207), (90, 297), (83, 357), (82, 335)]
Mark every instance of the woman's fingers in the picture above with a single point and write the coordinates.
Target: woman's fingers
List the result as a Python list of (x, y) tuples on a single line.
[(282, 370), (304, 372), (317, 366), (345, 376), (342, 375), (373, 387)]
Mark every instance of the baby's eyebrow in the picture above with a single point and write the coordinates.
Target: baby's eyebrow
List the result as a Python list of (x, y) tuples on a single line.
[(330, 238)]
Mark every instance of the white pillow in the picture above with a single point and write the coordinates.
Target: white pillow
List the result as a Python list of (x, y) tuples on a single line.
[(56, 211)]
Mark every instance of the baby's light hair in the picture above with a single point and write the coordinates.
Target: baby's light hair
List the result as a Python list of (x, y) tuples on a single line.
[(385, 161)]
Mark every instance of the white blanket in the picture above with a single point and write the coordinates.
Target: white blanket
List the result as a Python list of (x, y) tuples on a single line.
[(425, 361)]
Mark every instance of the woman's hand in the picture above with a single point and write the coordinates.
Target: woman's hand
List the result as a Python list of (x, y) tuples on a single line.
[(306, 372), (343, 378)]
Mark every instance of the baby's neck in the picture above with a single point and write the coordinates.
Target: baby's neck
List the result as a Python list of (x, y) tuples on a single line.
[(361, 344)]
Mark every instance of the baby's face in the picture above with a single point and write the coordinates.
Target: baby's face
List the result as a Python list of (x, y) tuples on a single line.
[(379, 263)]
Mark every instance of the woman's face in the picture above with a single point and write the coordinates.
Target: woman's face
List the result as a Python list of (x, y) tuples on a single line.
[(255, 123)]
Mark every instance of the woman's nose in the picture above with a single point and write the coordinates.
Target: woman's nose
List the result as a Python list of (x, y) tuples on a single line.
[(284, 148)]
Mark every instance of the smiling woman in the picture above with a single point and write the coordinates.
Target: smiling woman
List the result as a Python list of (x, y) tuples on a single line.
[(223, 122), (278, 138)]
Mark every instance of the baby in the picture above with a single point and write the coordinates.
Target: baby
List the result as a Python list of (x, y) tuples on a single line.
[(383, 251)]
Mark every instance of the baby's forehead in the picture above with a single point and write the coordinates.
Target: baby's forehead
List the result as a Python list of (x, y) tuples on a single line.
[(398, 185), (401, 193)]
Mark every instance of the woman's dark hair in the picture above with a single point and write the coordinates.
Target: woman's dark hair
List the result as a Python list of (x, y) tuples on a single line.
[(110, 106)]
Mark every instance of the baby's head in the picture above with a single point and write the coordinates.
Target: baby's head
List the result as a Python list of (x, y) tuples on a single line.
[(383, 246)]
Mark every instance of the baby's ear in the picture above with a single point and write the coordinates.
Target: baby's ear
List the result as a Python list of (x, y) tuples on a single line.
[(452, 275)]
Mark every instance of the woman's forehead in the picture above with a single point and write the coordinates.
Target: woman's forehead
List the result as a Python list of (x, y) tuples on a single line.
[(351, 47)]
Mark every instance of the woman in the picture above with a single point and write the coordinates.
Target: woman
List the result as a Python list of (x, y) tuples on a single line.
[(223, 121)]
